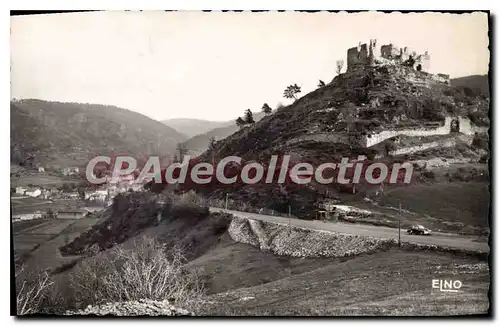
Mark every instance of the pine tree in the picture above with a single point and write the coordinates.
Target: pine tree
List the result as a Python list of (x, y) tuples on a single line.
[(249, 117), (240, 122), (266, 108), (291, 91)]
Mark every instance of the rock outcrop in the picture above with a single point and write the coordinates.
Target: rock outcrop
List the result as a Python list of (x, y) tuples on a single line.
[(133, 308)]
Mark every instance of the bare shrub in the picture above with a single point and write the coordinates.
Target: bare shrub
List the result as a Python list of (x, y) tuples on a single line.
[(86, 280), (31, 289), (190, 198), (144, 272)]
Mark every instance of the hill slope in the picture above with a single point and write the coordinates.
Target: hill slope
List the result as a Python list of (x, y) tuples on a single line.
[(475, 82), (193, 127), (69, 134), (199, 143), (376, 99), (368, 100)]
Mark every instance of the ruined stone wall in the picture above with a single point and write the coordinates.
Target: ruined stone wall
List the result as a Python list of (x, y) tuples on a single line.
[(329, 137), (389, 51), (376, 138), (425, 61), (423, 147), (480, 130), (466, 127), (358, 56), (371, 54)]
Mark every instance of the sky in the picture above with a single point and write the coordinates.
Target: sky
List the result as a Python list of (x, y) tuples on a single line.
[(216, 65)]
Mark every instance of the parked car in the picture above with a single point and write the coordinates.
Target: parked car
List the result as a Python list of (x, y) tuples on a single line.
[(419, 230)]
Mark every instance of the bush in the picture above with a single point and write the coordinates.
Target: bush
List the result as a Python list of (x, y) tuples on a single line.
[(31, 290), (468, 174), (389, 146), (481, 141), (428, 175), (484, 158), (144, 272)]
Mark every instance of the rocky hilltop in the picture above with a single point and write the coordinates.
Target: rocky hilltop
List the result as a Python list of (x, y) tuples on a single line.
[(368, 101), (386, 109)]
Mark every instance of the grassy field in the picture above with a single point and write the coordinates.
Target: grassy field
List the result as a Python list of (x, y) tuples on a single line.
[(40, 179), (449, 206), (26, 205), (384, 283), (234, 265), (242, 280), (37, 242)]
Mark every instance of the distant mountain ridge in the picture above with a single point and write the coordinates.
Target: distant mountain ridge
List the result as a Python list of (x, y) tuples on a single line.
[(193, 127), (69, 134), (199, 143), (475, 82)]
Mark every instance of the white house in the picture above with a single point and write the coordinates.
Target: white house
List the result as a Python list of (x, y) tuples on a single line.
[(71, 171), (96, 195), (34, 193), (30, 216), (20, 190)]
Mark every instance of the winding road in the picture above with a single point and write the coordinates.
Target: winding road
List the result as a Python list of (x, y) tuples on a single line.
[(438, 239)]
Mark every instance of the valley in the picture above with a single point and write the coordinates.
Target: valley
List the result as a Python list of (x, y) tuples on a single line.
[(303, 218)]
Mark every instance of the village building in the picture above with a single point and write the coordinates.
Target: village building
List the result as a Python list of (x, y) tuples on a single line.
[(27, 216), (21, 190), (34, 193), (73, 214), (70, 171)]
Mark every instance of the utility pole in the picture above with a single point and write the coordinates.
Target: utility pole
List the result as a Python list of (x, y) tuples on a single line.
[(290, 216), (399, 225), (227, 197)]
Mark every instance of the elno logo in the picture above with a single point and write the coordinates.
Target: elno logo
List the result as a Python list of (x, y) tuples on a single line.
[(447, 285)]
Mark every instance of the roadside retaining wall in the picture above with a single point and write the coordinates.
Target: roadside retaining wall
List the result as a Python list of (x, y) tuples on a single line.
[(298, 242), (284, 240)]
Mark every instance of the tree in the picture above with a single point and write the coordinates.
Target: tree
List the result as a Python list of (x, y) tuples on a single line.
[(211, 143), (50, 213), (340, 65), (31, 290), (211, 148), (321, 84), (249, 117), (240, 122), (291, 91), (266, 108), (389, 147)]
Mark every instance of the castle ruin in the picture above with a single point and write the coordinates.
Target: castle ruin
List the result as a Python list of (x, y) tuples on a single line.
[(371, 55)]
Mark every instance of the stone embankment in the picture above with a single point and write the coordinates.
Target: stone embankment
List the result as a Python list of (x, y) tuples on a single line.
[(293, 241), (284, 240)]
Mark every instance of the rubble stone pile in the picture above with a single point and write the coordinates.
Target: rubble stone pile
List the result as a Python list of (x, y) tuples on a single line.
[(133, 308)]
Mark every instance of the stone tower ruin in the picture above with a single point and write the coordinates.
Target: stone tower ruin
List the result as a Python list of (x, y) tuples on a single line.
[(371, 55)]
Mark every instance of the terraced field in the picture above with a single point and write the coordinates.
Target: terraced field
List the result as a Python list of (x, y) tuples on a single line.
[(37, 242)]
